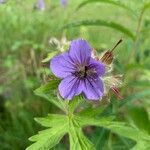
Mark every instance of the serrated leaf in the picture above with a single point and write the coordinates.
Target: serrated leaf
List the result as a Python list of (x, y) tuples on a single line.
[(52, 120), (109, 24), (46, 143), (77, 139), (125, 130), (49, 92), (112, 2), (48, 138), (49, 132), (120, 128)]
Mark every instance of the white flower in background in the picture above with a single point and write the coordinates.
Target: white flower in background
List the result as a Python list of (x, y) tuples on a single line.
[(60, 45), (57, 47)]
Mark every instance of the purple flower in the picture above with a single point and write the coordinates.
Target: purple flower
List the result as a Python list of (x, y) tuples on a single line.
[(40, 4), (79, 71), (63, 3)]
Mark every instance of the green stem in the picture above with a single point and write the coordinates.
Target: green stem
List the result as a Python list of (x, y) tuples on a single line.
[(64, 106), (137, 34), (68, 112), (139, 25), (109, 141)]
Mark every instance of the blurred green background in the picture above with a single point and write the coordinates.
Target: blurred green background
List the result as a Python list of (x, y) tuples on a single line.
[(24, 42)]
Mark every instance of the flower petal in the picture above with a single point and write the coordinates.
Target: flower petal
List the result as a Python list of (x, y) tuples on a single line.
[(93, 88), (62, 66), (97, 66), (80, 51), (70, 86)]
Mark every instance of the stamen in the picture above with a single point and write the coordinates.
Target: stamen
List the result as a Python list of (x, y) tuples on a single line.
[(81, 71), (84, 71)]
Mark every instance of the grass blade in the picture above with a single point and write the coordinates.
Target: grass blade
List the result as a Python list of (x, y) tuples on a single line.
[(109, 24), (112, 2), (135, 96)]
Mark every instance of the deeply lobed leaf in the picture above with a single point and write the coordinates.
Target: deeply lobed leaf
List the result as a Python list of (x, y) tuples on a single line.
[(77, 139), (120, 128), (52, 120), (48, 138)]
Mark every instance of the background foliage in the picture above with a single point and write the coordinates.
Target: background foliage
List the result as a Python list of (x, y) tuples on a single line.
[(24, 43)]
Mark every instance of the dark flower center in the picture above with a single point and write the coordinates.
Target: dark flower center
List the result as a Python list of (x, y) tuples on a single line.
[(84, 71)]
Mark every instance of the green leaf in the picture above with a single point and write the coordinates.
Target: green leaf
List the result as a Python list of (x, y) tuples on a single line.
[(112, 2), (71, 124), (47, 139), (100, 137), (120, 128), (77, 139), (92, 120), (109, 24), (140, 118), (125, 130), (52, 120), (92, 112), (49, 92), (142, 145)]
